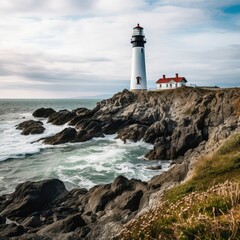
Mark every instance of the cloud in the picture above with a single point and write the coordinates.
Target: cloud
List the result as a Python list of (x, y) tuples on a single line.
[(84, 46), (45, 7)]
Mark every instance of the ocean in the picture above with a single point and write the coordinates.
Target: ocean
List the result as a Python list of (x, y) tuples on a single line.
[(83, 165)]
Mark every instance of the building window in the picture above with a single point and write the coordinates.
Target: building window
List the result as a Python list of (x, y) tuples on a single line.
[(170, 85), (166, 85), (141, 50), (176, 84), (160, 85), (138, 80)]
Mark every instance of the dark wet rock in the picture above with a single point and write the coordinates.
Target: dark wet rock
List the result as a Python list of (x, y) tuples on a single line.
[(31, 222), (88, 129), (43, 112), (84, 135), (31, 127), (66, 135), (161, 150), (30, 197), (2, 220), (61, 117), (156, 167), (120, 184), (33, 236), (69, 224), (134, 132), (175, 175), (11, 230), (82, 114), (90, 125), (132, 200), (158, 129), (128, 194), (98, 197), (112, 126)]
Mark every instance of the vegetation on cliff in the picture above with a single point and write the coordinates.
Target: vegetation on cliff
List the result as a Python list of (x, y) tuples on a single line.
[(207, 206)]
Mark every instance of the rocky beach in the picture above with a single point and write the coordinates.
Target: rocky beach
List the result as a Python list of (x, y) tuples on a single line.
[(183, 125)]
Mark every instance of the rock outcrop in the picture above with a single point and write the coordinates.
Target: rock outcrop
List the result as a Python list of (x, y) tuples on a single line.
[(66, 135), (174, 121), (61, 117), (43, 112), (30, 197), (31, 127), (47, 209), (182, 124)]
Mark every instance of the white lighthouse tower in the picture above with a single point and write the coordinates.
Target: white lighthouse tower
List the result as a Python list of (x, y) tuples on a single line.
[(138, 74)]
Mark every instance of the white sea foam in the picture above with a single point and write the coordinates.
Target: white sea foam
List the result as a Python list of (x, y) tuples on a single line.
[(15, 145)]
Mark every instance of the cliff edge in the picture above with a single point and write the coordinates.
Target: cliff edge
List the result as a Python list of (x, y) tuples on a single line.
[(182, 124)]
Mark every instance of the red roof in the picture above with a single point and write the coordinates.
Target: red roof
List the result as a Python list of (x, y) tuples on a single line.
[(176, 79)]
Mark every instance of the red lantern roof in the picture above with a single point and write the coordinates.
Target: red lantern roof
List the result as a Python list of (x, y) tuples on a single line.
[(138, 26)]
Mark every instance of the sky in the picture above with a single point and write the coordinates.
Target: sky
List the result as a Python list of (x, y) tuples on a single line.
[(81, 48)]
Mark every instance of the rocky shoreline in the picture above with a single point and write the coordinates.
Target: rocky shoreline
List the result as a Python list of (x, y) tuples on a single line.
[(182, 124)]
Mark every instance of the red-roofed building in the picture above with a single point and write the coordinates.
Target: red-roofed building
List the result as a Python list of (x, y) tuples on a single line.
[(172, 82)]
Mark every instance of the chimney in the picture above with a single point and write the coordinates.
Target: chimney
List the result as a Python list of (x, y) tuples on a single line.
[(164, 76), (176, 75)]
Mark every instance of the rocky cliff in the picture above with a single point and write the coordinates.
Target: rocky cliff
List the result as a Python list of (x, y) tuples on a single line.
[(182, 124)]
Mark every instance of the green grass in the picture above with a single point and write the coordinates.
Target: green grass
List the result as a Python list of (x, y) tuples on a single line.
[(205, 207), (221, 166)]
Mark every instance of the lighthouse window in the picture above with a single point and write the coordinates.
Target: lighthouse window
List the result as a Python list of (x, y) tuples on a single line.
[(141, 50), (138, 80)]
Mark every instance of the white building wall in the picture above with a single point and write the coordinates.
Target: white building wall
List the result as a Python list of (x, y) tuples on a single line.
[(170, 85), (138, 69)]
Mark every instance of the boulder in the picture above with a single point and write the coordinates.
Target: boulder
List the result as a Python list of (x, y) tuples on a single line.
[(61, 117), (66, 135), (161, 150), (43, 112), (67, 225), (31, 222), (30, 197), (82, 114), (175, 174), (134, 132), (120, 184), (98, 197), (131, 201), (88, 129), (31, 127), (156, 167), (11, 230), (114, 125), (159, 129), (90, 125)]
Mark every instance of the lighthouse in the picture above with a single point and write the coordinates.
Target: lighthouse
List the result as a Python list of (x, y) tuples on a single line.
[(138, 73)]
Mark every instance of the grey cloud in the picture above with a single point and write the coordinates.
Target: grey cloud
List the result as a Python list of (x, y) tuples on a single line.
[(35, 67), (198, 3), (43, 7)]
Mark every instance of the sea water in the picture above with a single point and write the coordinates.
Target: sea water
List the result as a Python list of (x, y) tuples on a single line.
[(97, 161)]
